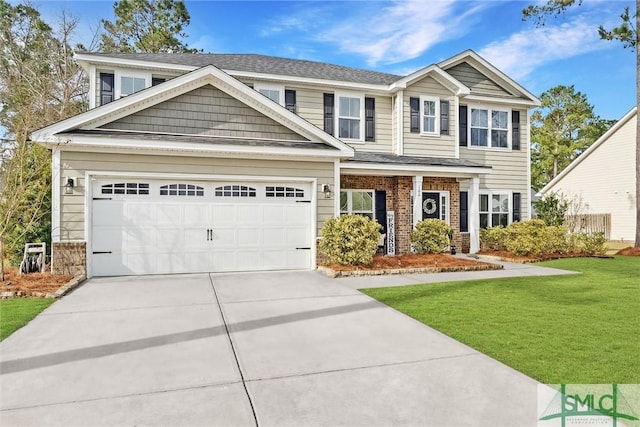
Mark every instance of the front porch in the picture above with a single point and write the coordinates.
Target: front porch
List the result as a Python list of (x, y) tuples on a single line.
[(400, 191)]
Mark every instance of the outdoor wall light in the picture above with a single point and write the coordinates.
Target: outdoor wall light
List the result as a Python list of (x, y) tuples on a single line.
[(326, 189), (70, 184)]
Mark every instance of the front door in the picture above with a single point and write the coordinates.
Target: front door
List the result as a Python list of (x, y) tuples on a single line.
[(430, 205)]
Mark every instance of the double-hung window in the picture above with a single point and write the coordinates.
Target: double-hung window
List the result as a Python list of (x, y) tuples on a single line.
[(359, 202), (350, 120), (489, 128), (429, 115), (495, 209)]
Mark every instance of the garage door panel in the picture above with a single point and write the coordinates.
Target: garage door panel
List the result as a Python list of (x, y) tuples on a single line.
[(140, 214), (248, 237), (108, 213), (249, 214), (223, 214), (169, 239), (196, 213), (170, 214), (155, 233)]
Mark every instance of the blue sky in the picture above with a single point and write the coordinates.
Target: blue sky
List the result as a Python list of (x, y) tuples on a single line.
[(402, 36)]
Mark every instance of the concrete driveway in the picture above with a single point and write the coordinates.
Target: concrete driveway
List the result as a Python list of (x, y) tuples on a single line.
[(267, 349)]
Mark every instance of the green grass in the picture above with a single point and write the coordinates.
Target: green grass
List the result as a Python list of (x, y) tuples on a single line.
[(15, 313), (561, 329)]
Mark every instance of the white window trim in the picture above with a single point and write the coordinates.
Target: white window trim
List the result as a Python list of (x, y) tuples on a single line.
[(489, 109), (349, 192), (358, 95), (491, 193), (118, 74), (265, 86), (436, 100)]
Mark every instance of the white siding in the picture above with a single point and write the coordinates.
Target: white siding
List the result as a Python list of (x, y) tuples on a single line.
[(605, 181)]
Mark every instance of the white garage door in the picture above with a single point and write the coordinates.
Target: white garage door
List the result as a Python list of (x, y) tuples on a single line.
[(157, 227)]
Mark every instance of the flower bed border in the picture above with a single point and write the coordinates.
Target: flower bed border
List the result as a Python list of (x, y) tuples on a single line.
[(387, 271), (534, 260)]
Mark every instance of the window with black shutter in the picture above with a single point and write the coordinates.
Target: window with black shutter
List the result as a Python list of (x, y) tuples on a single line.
[(464, 212), (444, 117), (463, 120), (290, 100), (414, 105), (369, 119), (107, 92), (329, 125), (516, 207), (155, 81), (515, 130), (381, 209)]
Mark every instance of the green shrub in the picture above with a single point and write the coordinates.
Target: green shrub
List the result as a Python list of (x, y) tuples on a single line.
[(493, 238), (350, 239), (591, 244), (552, 209), (431, 236), (526, 238)]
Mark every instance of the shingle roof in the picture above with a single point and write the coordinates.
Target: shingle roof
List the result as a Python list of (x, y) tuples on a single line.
[(367, 157), (261, 64)]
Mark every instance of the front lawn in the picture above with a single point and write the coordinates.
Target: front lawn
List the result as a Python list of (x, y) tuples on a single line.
[(557, 329), (15, 313)]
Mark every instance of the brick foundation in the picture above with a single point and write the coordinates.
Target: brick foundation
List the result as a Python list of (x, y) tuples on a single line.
[(69, 258)]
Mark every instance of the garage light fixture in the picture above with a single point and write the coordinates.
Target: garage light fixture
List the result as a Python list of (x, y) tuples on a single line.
[(326, 189), (68, 187)]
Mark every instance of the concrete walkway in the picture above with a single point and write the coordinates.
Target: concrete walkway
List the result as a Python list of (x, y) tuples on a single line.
[(267, 349)]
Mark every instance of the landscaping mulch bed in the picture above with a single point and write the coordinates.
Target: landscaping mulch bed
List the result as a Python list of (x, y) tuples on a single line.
[(408, 263), (630, 251), (34, 284)]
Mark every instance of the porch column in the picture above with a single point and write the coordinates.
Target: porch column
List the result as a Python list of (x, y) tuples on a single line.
[(417, 200), (474, 215)]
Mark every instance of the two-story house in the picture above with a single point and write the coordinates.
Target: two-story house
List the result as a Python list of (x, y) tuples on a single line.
[(219, 162)]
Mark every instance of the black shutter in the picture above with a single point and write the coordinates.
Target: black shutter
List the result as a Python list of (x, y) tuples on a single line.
[(155, 81), (290, 100), (329, 126), (515, 130), (369, 119), (462, 119), (414, 104), (516, 207), (464, 212), (106, 88), (381, 210), (444, 117)]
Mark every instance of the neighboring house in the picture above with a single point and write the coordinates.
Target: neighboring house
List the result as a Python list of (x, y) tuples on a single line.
[(603, 178), (217, 162)]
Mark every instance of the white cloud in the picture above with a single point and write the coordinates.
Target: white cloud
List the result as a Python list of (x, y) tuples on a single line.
[(399, 32), (523, 52)]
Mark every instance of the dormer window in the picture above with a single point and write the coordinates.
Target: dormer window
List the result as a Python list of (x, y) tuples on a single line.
[(273, 92), (129, 85), (115, 85)]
